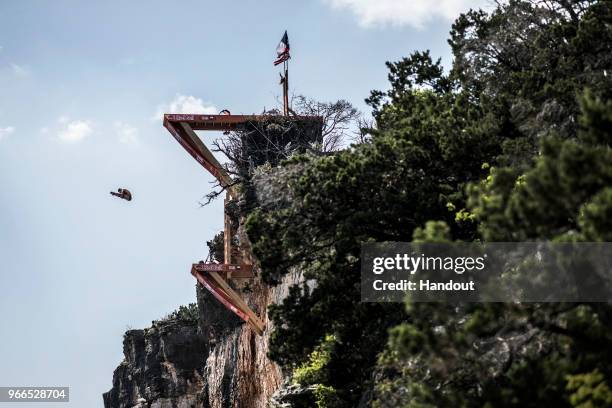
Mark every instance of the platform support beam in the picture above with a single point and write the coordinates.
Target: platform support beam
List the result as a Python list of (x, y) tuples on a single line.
[(286, 90), (227, 236), (219, 288)]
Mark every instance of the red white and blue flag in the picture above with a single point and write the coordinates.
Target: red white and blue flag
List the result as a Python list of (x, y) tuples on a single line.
[(282, 51)]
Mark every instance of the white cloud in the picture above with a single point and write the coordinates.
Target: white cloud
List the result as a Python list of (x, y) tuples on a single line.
[(5, 131), (185, 104), (127, 134), (75, 131), (20, 70), (414, 13)]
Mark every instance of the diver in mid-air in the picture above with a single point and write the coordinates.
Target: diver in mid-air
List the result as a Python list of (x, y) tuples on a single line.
[(123, 193)]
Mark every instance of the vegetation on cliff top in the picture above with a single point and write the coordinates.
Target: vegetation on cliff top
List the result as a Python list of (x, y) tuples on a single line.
[(184, 314), (512, 144)]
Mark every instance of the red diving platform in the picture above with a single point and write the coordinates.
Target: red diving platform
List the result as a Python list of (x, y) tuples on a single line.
[(215, 277), (183, 128), (218, 286)]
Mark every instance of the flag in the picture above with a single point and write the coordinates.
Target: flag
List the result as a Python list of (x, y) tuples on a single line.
[(282, 51)]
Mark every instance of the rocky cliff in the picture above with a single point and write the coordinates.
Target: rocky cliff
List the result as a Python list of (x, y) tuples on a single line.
[(163, 367), (212, 359), (216, 361)]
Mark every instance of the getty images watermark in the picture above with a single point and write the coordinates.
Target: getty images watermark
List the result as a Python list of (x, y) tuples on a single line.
[(491, 272)]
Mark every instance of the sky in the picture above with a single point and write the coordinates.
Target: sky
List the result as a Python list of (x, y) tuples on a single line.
[(83, 86)]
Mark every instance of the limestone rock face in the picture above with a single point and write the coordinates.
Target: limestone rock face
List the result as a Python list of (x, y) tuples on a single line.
[(217, 362), (293, 396), (161, 364), (237, 370)]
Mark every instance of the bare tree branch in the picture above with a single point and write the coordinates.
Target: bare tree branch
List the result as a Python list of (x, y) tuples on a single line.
[(268, 142), (338, 119)]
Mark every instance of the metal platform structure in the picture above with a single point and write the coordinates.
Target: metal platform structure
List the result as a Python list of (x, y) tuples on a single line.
[(183, 128), (212, 276), (220, 289)]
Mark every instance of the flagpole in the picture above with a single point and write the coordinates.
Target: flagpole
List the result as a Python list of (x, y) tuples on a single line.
[(286, 90)]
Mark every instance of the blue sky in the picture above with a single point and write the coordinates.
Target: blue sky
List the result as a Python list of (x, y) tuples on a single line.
[(82, 87)]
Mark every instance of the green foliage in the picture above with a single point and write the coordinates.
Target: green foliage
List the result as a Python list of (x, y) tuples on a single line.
[(596, 121), (595, 219), (326, 397), (379, 191), (559, 194), (313, 371), (434, 231), (185, 314), (513, 144), (589, 390)]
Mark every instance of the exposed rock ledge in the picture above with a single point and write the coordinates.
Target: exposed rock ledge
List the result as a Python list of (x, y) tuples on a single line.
[(217, 362)]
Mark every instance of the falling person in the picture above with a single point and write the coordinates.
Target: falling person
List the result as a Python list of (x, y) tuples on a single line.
[(123, 193)]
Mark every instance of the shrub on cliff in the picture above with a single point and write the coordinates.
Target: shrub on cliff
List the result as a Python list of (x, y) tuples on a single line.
[(185, 314)]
